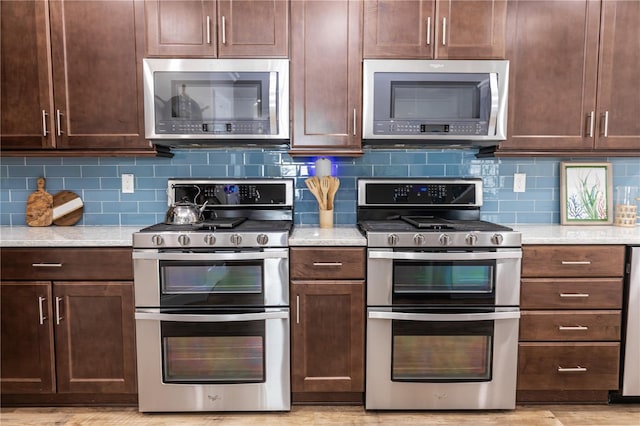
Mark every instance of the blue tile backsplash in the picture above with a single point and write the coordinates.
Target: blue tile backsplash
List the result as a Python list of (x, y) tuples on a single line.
[(97, 181)]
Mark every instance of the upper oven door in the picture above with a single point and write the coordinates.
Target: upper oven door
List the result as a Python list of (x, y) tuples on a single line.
[(410, 99), (221, 278), (480, 277), (216, 98)]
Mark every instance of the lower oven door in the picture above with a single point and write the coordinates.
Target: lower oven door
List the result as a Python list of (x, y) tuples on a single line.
[(214, 361), (424, 359)]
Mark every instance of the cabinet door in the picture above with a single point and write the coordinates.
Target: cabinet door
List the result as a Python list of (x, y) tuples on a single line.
[(181, 28), (619, 77), (328, 336), (97, 74), (95, 340), (326, 77), (399, 29), (253, 28), (552, 46), (473, 29), (26, 359), (26, 121)]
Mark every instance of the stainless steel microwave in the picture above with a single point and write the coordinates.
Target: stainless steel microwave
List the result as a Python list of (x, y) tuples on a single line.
[(431, 100), (196, 101)]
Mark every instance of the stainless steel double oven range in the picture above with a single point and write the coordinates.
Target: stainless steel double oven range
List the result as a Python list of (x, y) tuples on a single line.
[(212, 300), (442, 297)]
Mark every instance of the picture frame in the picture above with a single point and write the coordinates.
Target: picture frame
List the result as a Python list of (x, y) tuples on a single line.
[(586, 193)]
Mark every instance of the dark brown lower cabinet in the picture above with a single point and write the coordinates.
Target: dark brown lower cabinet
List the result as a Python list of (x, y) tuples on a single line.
[(327, 341), (67, 342)]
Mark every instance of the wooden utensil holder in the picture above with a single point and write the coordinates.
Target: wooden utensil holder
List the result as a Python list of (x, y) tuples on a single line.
[(326, 218)]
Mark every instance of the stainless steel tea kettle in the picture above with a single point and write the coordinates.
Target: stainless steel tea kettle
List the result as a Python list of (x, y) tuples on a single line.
[(184, 213)]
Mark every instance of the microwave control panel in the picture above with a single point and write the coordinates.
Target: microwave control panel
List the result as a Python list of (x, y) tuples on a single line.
[(395, 127), (176, 127)]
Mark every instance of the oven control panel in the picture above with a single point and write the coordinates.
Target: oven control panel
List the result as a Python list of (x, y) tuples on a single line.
[(232, 193), (420, 192)]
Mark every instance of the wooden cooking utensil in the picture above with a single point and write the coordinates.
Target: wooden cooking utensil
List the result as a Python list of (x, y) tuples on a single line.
[(335, 184), (325, 185), (313, 183), (39, 206), (67, 208)]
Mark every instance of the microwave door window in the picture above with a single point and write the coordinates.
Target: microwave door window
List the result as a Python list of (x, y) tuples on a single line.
[(236, 100), (435, 101)]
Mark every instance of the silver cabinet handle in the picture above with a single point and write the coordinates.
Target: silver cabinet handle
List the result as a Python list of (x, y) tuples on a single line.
[(41, 316), (297, 309), (444, 31), (572, 328), (45, 132), (429, 31), (577, 369), (58, 123), (591, 123), (327, 263), (605, 132), (58, 310), (208, 29), (576, 262), (224, 30), (574, 294), (354, 122), (47, 265)]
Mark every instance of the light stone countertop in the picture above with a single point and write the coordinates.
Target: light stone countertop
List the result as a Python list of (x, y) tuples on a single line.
[(67, 236), (339, 235), (302, 235)]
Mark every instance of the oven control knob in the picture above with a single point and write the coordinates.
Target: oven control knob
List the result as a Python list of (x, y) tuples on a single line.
[(183, 240), (262, 239), (392, 239), (418, 239), (497, 239), (472, 239), (210, 239), (236, 239), (157, 240), (445, 240)]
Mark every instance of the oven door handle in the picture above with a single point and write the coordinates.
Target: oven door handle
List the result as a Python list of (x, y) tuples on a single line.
[(402, 255), (444, 317), (256, 255), (143, 314)]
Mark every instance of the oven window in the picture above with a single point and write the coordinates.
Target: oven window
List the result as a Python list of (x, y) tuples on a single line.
[(442, 351), (226, 352), (448, 277), (434, 100), (211, 277)]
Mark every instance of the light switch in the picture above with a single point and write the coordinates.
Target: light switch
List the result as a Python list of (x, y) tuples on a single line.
[(127, 184), (519, 182)]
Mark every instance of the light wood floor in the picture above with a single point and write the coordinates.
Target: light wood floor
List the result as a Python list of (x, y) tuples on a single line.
[(547, 415)]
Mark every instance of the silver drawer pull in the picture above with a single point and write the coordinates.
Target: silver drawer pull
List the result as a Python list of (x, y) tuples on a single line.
[(572, 328), (577, 369), (47, 265), (576, 262), (574, 294), (327, 263)]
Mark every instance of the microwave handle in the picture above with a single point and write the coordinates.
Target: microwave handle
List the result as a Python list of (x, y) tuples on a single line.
[(273, 102), (495, 102)]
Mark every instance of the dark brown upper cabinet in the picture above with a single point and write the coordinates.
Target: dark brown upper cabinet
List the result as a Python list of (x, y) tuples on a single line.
[(223, 28), (326, 77), (574, 87), (72, 78), (440, 29)]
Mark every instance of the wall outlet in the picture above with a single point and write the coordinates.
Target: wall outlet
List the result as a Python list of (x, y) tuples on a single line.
[(519, 182), (127, 184)]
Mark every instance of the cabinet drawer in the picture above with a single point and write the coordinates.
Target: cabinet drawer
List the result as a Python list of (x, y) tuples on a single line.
[(327, 263), (568, 366), (113, 263), (572, 261), (570, 325), (566, 293)]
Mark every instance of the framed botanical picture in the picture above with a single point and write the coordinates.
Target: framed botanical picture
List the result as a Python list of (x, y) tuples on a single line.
[(586, 193)]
